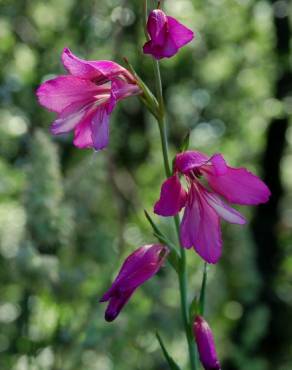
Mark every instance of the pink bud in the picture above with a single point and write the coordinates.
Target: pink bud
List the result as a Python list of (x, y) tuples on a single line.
[(206, 344), (140, 266), (167, 35)]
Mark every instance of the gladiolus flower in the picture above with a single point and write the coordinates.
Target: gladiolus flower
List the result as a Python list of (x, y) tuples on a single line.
[(85, 98), (139, 267), (206, 345), (200, 226), (167, 35)]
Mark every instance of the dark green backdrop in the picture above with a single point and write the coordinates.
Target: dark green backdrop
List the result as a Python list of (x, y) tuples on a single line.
[(68, 217)]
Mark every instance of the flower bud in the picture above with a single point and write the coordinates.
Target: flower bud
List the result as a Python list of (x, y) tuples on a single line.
[(206, 345), (167, 35), (139, 267)]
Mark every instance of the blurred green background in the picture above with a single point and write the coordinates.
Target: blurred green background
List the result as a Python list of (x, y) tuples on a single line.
[(69, 217)]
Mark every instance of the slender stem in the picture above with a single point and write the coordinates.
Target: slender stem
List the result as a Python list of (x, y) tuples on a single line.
[(164, 145), (159, 87), (145, 15), (182, 273), (182, 276)]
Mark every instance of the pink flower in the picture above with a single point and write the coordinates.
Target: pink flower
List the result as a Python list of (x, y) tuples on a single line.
[(200, 226), (140, 266), (167, 35), (85, 98), (206, 345)]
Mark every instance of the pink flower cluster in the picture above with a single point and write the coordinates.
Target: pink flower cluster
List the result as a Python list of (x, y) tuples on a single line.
[(84, 99), (204, 207)]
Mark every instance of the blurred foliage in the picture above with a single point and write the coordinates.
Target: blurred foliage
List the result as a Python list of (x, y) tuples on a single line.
[(69, 217)]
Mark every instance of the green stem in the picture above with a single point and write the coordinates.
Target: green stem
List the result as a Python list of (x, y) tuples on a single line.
[(164, 145), (182, 276), (182, 273), (159, 87), (145, 18)]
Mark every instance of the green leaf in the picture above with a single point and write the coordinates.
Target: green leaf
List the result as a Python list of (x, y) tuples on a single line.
[(194, 309), (203, 290), (186, 142), (197, 306), (151, 222), (159, 234), (172, 364), (148, 97)]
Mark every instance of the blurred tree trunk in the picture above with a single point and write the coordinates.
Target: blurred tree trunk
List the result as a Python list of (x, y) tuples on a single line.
[(269, 251), (274, 346)]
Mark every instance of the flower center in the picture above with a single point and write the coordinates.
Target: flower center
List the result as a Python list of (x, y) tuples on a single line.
[(195, 173)]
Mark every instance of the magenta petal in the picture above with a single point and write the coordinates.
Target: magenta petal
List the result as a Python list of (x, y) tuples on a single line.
[(218, 164), (169, 49), (80, 67), (200, 227), (116, 304), (172, 197), (157, 26), (190, 160), (121, 89), (93, 131), (59, 93), (206, 345), (223, 210), (239, 186), (100, 128), (139, 267), (159, 52), (83, 133), (69, 118), (180, 34), (167, 35), (93, 70)]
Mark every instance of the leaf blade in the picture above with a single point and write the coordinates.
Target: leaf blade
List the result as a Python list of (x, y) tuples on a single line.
[(172, 364)]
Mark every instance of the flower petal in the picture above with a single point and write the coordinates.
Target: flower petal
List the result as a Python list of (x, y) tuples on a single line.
[(139, 267), (239, 186), (189, 160), (159, 52), (180, 34), (93, 70), (200, 227), (218, 164), (172, 197), (61, 92), (100, 128), (69, 118), (121, 89), (206, 345), (157, 26), (167, 35), (83, 133), (223, 210), (116, 303)]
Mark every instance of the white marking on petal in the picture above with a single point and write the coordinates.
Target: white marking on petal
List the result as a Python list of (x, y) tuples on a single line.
[(223, 210)]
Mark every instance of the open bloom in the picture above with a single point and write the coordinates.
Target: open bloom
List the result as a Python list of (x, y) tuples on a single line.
[(206, 345), (200, 226), (85, 98), (167, 35), (140, 266)]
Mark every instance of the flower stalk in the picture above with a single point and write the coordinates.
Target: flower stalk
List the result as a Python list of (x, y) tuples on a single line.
[(83, 100), (182, 271)]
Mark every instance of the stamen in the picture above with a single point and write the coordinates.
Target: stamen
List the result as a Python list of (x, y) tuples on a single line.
[(195, 173)]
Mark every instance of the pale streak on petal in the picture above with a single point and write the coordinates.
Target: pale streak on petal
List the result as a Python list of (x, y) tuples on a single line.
[(223, 210)]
